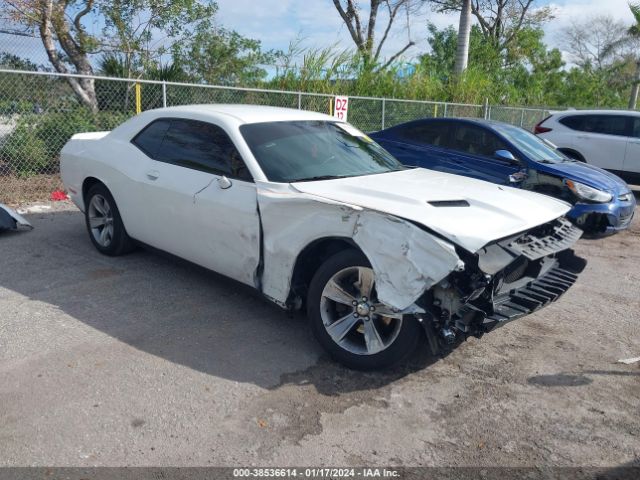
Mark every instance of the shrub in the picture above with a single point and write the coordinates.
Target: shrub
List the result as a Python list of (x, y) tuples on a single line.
[(10, 107), (35, 144), (24, 151), (55, 129)]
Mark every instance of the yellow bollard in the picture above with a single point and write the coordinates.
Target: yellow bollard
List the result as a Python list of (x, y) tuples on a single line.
[(138, 98)]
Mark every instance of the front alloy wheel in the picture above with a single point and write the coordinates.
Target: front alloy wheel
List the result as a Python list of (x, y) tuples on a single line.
[(352, 318), (350, 322)]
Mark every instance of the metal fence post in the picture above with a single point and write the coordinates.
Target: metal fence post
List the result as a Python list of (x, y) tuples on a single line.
[(164, 94), (299, 100), (138, 90), (444, 113), (486, 108), (383, 112), (522, 118)]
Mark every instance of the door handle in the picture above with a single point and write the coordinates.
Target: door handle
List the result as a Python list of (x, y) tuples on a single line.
[(153, 174)]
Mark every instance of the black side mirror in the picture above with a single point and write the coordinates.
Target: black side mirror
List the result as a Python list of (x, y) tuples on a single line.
[(506, 156)]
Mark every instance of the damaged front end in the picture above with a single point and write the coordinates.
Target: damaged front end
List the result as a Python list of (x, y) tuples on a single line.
[(503, 281)]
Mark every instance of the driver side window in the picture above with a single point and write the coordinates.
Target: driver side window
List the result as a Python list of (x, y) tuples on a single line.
[(476, 141), (192, 144)]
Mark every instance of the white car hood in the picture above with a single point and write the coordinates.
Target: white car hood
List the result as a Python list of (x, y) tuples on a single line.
[(494, 211)]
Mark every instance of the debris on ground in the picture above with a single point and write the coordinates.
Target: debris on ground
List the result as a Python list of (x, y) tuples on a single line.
[(34, 209), (58, 196), (629, 361), (11, 220)]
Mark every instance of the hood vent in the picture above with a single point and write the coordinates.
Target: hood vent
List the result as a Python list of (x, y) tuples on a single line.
[(448, 203)]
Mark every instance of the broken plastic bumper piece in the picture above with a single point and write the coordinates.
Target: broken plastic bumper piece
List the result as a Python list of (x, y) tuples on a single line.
[(11, 220), (533, 295)]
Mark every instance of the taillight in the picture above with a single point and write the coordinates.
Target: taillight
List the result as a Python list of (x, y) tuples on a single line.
[(538, 129)]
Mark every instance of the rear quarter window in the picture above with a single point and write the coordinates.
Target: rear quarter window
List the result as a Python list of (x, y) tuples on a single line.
[(574, 123), (150, 138)]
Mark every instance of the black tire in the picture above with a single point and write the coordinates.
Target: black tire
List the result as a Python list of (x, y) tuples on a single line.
[(120, 243), (402, 346)]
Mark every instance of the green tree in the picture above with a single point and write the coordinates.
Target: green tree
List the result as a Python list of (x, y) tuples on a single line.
[(630, 39), (500, 20), (223, 57), (526, 72), (633, 35), (440, 61), (14, 62), (143, 31)]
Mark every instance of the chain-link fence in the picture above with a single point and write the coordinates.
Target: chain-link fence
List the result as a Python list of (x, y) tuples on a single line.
[(39, 112)]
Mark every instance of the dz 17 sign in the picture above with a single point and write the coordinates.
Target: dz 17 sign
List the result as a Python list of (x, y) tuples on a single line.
[(340, 108)]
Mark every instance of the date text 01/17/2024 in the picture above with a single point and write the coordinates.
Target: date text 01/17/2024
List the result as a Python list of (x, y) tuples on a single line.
[(315, 472)]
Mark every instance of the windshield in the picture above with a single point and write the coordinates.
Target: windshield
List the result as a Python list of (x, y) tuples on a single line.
[(314, 150), (533, 147)]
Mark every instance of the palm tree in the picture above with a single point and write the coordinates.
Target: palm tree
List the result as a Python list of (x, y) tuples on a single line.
[(464, 32), (634, 33)]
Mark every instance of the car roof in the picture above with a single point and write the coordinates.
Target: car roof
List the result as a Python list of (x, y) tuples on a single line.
[(245, 113), (595, 112), (476, 121)]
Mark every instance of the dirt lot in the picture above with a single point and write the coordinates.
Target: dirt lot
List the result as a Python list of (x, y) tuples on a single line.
[(145, 360)]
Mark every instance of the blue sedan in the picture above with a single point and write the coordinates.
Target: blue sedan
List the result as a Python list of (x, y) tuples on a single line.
[(501, 153)]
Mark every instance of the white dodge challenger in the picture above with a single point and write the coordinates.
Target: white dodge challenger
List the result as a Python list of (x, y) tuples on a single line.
[(311, 212)]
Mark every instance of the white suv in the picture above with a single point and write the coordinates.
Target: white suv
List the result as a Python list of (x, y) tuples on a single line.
[(609, 139)]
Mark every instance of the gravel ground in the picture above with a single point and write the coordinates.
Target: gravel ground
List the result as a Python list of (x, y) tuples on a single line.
[(146, 360)]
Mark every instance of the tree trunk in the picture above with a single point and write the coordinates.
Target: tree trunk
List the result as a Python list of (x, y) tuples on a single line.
[(464, 34), (52, 19), (633, 101)]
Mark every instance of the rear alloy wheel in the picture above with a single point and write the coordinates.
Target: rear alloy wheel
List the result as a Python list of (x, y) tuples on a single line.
[(350, 322), (101, 221), (104, 224)]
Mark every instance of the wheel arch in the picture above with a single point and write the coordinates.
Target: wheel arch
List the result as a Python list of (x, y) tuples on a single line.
[(121, 243), (309, 260), (570, 152), (90, 182), (87, 184)]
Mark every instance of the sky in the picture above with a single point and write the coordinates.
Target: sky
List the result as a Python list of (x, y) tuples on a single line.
[(317, 24), (277, 22)]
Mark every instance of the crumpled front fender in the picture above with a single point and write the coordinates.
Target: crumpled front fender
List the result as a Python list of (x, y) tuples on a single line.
[(406, 259)]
